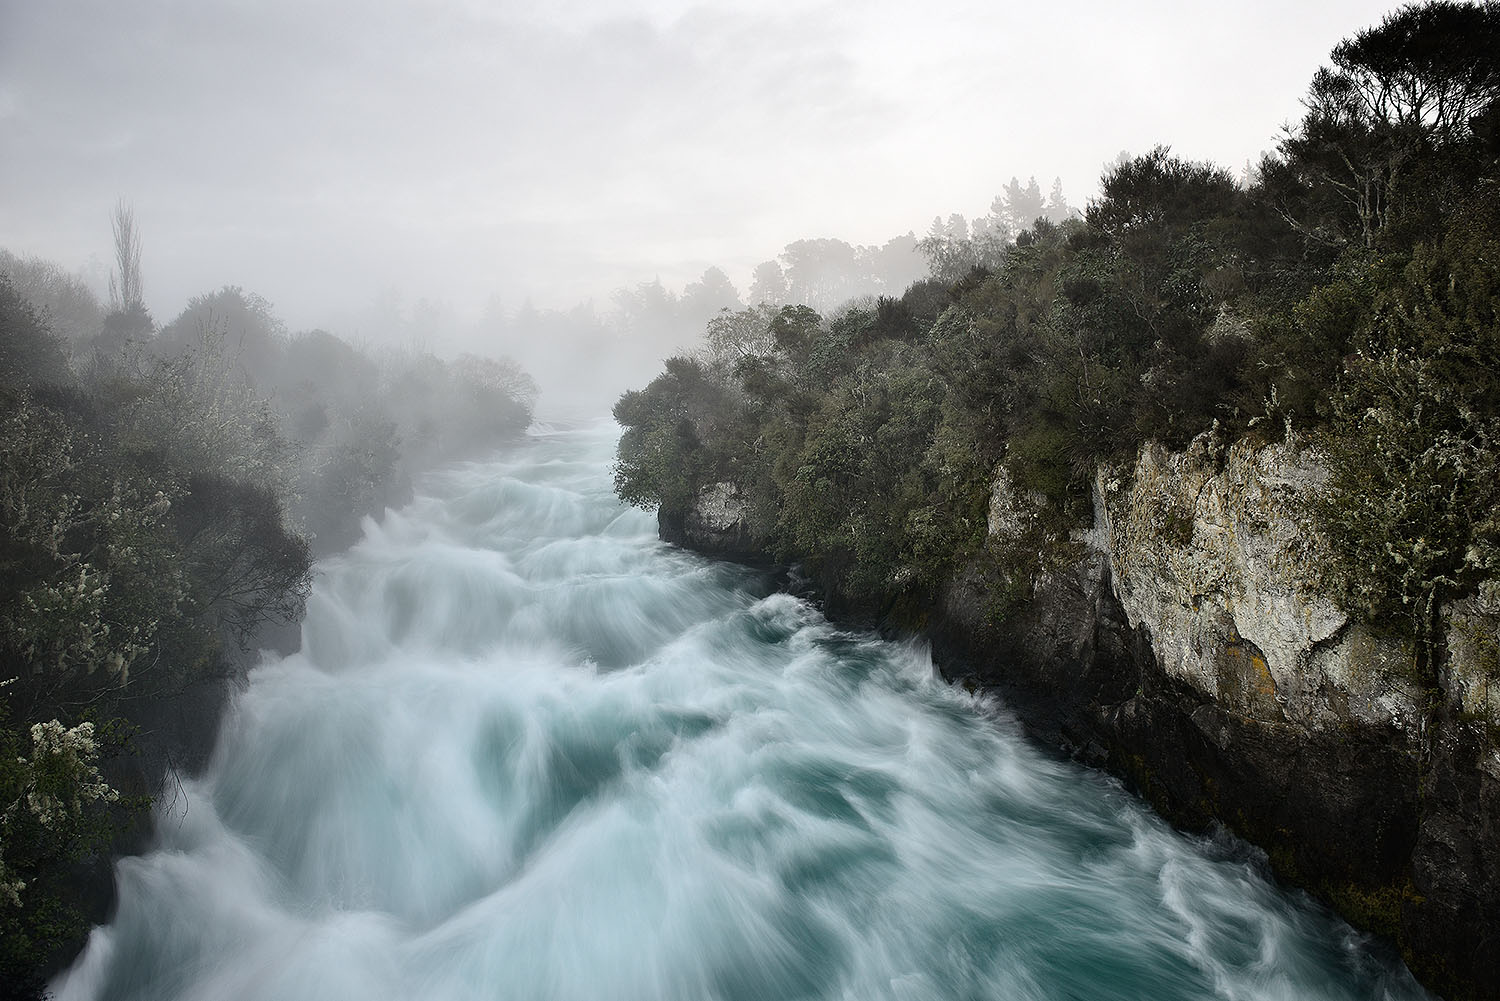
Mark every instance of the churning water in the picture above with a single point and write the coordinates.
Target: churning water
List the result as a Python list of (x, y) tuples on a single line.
[(529, 752)]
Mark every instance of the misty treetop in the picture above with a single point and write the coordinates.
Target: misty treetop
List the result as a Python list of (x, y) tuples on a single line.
[(953, 246), (1346, 288)]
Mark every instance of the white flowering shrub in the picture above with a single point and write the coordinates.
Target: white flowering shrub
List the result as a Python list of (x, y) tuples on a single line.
[(61, 778), (89, 556), (54, 810)]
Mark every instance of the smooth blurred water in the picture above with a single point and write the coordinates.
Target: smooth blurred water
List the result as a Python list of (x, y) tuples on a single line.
[(530, 752)]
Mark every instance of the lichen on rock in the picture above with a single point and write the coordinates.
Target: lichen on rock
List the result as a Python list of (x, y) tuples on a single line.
[(1213, 552), (1471, 672)]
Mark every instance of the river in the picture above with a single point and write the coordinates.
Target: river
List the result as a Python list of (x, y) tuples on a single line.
[(529, 752)]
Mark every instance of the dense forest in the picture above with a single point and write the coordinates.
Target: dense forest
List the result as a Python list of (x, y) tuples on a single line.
[(1346, 292), (163, 492)]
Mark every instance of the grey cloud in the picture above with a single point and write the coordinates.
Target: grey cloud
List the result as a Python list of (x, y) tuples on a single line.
[(558, 149)]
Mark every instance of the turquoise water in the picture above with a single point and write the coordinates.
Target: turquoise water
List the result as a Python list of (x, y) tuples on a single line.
[(528, 751)]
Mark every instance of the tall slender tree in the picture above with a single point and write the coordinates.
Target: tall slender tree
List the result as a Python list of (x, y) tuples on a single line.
[(128, 320), (126, 291)]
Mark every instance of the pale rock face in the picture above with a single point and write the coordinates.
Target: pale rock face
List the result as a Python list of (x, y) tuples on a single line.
[(1211, 551), (717, 522), (1011, 516), (719, 507), (1472, 670)]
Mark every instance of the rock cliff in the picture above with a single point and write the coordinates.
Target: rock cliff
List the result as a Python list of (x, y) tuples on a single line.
[(1211, 553), (1192, 649)]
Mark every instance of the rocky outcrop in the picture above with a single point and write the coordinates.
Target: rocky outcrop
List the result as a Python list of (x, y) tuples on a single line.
[(1187, 647), (716, 523), (1211, 552)]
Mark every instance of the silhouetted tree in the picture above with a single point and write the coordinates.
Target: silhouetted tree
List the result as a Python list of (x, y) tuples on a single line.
[(128, 321), (1421, 84), (821, 273), (768, 284), (1057, 209), (126, 288), (708, 295), (1023, 205)]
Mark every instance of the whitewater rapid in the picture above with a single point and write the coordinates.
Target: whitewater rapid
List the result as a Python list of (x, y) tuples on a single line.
[(529, 752)]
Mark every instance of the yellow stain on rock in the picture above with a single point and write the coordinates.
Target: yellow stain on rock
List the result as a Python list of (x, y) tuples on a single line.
[(1265, 685)]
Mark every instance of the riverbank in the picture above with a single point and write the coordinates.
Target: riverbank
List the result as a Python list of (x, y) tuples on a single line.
[(1186, 648)]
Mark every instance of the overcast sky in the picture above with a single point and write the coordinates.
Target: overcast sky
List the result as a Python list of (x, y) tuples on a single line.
[(324, 153)]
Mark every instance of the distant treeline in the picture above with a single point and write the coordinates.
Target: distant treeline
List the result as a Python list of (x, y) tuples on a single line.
[(594, 349), (1346, 291), (162, 495)]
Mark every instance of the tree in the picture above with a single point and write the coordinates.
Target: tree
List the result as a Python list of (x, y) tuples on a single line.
[(892, 266), (53, 811), (651, 313), (1426, 69), (128, 321), (793, 330), (708, 295), (1413, 443), (949, 251), (675, 439), (63, 301), (768, 284), (744, 334), (820, 273), (1022, 206), (353, 471), (197, 408), (92, 579), (1058, 209), (126, 291), (1414, 488), (1414, 88), (242, 324), (245, 564), (29, 355), (1160, 191), (318, 373), (992, 240), (499, 397)]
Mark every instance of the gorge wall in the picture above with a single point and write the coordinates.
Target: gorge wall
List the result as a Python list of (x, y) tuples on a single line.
[(1185, 644)]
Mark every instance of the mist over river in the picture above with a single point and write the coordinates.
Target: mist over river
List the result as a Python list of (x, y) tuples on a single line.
[(528, 751)]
